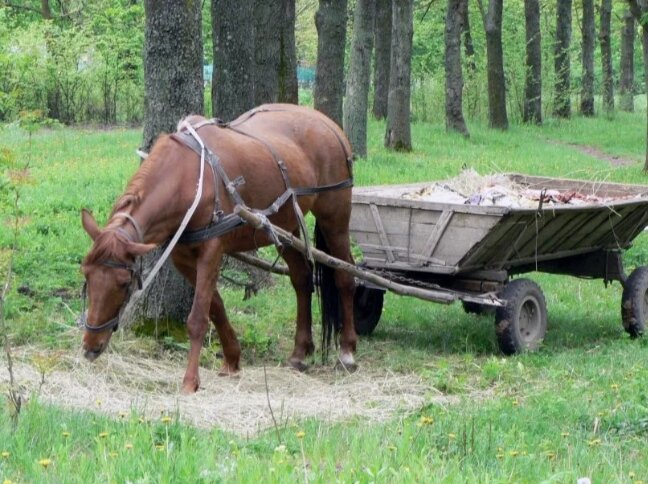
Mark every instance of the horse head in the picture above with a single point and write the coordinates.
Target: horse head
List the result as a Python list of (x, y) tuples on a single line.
[(110, 274)]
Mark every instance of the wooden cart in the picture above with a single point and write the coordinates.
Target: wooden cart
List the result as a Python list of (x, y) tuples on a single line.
[(469, 252)]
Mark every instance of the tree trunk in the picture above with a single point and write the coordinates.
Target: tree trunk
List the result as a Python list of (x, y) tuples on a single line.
[(288, 88), (173, 88), (589, 35), (606, 56), (398, 135), (266, 53), (357, 86), (469, 48), (233, 79), (330, 21), (453, 74), (497, 117), (562, 106), (639, 10), (626, 68), (533, 78), (382, 40)]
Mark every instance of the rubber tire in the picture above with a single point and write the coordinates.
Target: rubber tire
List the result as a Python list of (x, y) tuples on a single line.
[(476, 308), (525, 300), (367, 309), (634, 302)]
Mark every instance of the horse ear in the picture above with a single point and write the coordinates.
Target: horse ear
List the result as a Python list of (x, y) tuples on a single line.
[(136, 249), (89, 224)]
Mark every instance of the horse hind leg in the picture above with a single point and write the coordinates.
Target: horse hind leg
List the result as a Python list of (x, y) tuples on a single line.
[(301, 277), (227, 336), (337, 287)]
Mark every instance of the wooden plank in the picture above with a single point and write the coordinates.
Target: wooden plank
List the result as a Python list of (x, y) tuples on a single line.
[(435, 236), (401, 253), (381, 232)]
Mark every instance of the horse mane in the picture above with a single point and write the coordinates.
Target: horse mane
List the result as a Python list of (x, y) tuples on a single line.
[(132, 196)]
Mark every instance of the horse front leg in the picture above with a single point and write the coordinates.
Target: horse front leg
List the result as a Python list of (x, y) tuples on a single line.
[(207, 266), (227, 336)]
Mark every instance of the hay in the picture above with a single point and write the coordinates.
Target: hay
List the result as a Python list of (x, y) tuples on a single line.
[(471, 188), (116, 384)]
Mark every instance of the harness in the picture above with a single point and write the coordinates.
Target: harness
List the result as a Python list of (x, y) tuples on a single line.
[(221, 223)]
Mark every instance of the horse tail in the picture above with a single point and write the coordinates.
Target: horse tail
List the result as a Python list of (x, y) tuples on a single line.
[(328, 295)]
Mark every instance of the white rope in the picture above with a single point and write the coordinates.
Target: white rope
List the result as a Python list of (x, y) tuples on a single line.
[(188, 215)]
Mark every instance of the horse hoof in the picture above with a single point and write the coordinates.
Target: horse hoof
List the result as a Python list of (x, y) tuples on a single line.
[(189, 388), (227, 370), (347, 363), (298, 365)]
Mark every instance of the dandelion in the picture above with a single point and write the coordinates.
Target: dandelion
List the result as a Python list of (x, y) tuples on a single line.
[(391, 447), (65, 434), (564, 434), (452, 436), (515, 402), (426, 420), (5, 454), (514, 453), (166, 420), (103, 435), (159, 447), (614, 386), (594, 442), (631, 475), (123, 414), (301, 434), (45, 462), (128, 445), (98, 403)]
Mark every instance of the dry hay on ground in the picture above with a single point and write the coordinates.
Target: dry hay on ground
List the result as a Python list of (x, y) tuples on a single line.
[(116, 384)]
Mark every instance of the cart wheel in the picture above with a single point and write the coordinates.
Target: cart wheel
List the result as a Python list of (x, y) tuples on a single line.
[(522, 323), (476, 308), (367, 309), (634, 302)]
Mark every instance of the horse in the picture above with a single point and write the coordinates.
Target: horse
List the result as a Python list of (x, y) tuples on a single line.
[(262, 160)]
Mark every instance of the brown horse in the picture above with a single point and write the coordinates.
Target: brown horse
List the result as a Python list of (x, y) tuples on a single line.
[(263, 151)]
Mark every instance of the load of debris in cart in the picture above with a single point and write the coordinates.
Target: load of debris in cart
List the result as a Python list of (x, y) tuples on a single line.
[(471, 188)]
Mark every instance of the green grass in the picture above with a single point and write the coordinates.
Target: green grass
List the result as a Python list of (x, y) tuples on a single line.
[(577, 407)]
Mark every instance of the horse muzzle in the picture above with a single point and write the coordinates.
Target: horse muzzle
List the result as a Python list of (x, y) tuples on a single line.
[(92, 353)]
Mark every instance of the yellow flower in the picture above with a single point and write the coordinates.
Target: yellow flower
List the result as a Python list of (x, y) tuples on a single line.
[(614, 386), (301, 434), (5, 454), (631, 475), (159, 447), (45, 462), (103, 435), (7, 481), (98, 403), (166, 419), (515, 402), (452, 436), (500, 456), (550, 455), (123, 414), (128, 445), (514, 453), (564, 434), (594, 442), (113, 454), (427, 420), (65, 434), (391, 447)]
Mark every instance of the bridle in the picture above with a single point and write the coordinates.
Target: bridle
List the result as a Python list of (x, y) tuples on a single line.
[(136, 279)]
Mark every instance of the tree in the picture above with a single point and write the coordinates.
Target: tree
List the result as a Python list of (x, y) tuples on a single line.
[(275, 58), (532, 112), (587, 91), (626, 67), (288, 88), (453, 73), (233, 80), (357, 86), (398, 135), (606, 56), (173, 85), (469, 48), (330, 21), (382, 41), (639, 9), (562, 102), (497, 117)]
